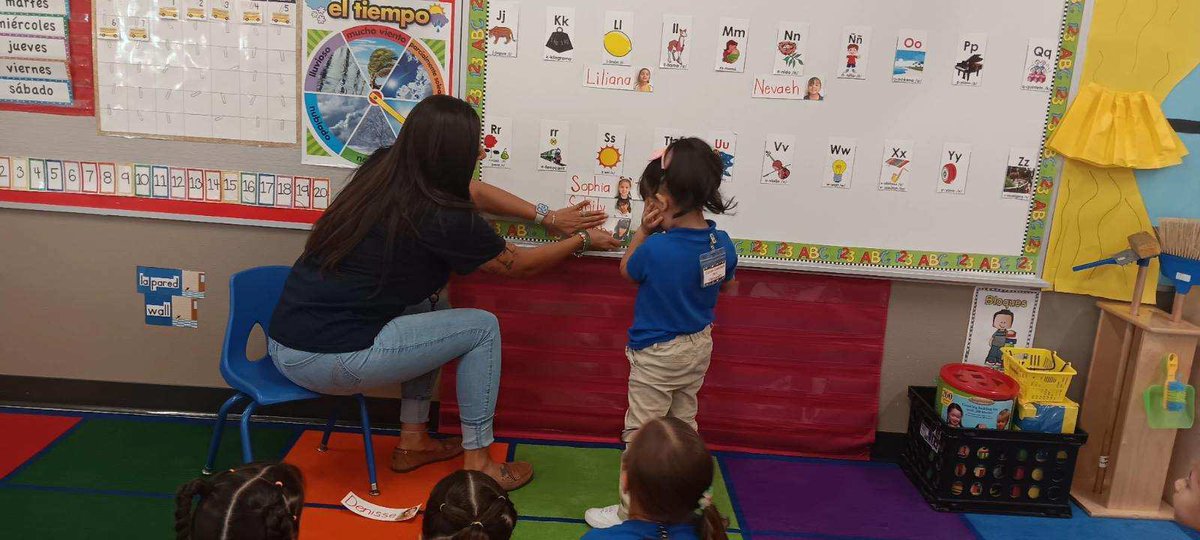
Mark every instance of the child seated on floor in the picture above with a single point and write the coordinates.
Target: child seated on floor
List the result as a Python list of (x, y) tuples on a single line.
[(468, 505), (667, 476), (1187, 498), (256, 501)]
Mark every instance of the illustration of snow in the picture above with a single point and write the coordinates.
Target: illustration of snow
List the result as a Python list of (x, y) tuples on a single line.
[(341, 113), (409, 81), (402, 107), (342, 75), (377, 57), (373, 132)]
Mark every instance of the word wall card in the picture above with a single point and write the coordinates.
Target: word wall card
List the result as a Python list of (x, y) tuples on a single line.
[(197, 69)]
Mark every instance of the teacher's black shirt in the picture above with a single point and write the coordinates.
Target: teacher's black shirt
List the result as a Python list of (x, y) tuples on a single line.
[(343, 311)]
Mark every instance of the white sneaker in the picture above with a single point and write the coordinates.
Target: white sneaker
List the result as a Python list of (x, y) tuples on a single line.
[(602, 518)]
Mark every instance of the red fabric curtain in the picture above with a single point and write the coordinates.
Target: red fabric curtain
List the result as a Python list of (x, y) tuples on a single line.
[(795, 366)]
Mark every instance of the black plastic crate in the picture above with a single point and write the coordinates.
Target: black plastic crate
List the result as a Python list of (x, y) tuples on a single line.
[(987, 471)]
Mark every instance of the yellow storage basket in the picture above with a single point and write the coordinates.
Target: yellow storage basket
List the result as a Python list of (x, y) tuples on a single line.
[(1043, 376)]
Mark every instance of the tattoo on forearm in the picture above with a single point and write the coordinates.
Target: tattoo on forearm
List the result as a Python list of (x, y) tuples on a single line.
[(508, 258)]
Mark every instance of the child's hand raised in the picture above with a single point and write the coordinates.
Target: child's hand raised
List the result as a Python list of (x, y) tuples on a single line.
[(651, 220)]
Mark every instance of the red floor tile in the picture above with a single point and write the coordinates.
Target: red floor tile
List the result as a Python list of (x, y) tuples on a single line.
[(328, 476), (323, 523), (26, 435)]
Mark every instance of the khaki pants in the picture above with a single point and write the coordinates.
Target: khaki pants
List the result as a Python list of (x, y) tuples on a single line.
[(664, 380)]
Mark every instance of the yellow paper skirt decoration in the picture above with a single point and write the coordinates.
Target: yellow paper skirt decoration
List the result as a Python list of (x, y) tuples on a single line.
[(1108, 128)]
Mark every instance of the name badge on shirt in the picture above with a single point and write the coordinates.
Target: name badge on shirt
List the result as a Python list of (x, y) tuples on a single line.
[(712, 264)]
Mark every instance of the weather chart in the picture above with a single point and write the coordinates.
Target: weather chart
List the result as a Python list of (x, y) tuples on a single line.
[(367, 64)]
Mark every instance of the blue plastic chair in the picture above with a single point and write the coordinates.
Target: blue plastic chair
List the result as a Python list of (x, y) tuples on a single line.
[(253, 294)]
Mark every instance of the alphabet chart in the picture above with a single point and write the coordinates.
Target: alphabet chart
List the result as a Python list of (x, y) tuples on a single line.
[(222, 70), (846, 135), (162, 191)]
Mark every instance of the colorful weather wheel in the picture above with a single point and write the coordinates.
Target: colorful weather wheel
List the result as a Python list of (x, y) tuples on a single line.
[(360, 85)]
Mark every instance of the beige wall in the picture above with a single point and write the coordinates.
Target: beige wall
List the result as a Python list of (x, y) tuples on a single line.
[(68, 306)]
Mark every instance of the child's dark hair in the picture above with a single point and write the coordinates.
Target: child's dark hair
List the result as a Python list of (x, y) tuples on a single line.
[(468, 505), (625, 205), (693, 177), (651, 180), (668, 472), (257, 501), (1003, 312)]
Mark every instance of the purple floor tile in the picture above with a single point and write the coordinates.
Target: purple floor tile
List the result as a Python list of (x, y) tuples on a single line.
[(832, 498)]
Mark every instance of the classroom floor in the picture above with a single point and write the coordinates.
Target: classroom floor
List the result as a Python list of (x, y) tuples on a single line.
[(68, 475)]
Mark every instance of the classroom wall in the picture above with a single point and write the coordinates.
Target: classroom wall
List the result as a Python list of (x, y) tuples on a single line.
[(68, 307)]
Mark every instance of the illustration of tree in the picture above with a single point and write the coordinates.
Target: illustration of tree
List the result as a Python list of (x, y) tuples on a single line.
[(380, 63)]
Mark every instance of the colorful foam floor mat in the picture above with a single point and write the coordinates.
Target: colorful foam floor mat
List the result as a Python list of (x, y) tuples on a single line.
[(66, 475)]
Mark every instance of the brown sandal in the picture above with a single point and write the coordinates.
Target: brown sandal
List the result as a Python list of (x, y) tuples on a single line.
[(410, 460), (514, 475)]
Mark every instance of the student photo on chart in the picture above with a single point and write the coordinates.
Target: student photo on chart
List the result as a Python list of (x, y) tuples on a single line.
[(814, 91)]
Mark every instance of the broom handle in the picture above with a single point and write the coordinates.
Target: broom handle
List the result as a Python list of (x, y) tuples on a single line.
[(1115, 398), (1177, 308), (1139, 287)]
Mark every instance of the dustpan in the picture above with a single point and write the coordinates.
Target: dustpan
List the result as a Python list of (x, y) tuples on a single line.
[(1160, 418)]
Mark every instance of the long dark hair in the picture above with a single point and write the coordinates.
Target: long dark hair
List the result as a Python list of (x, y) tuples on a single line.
[(694, 177), (257, 501), (468, 505), (429, 165), (667, 472)]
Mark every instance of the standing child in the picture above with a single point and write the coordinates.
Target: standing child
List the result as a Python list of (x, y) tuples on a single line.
[(667, 476), (679, 273), (257, 501)]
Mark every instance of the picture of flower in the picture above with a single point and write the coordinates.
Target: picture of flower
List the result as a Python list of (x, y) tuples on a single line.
[(791, 56)]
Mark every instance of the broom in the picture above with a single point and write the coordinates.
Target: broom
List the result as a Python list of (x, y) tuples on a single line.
[(1180, 240)]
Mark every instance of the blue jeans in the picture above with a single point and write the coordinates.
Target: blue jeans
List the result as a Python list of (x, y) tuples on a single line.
[(409, 352)]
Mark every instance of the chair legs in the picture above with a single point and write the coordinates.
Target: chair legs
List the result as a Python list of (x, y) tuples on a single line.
[(218, 430), (333, 416), (247, 453), (368, 447)]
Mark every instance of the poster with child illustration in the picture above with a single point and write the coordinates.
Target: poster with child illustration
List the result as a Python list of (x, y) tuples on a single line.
[(1000, 318), (856, 40), (732, 35)]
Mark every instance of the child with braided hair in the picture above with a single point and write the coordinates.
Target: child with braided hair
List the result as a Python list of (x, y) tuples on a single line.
[(257, 501), (468, 505)]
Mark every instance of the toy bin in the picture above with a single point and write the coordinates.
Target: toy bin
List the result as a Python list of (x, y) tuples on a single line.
[(987, 471), (1043, 376)]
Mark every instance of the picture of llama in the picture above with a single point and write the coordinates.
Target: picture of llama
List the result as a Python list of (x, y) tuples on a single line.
[(674, 42)]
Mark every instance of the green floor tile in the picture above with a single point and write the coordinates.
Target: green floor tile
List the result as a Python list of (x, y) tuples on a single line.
[(143, 455), (26, 513), (567, 481), (542, 530)]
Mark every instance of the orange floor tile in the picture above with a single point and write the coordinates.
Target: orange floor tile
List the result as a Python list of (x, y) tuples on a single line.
[(324, 523), (330, 475)]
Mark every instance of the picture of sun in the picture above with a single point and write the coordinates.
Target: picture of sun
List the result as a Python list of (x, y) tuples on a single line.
[(608, 157)]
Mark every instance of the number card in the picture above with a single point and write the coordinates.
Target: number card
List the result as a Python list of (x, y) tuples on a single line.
[(142, 180), (178, 183), (303, 192), (229, 187), (54, 175), (283, 191), (107, 174), (212, 186), (5, 173), (266, 189), (73, 183), (124, 174), (20, 173), (195, 184), (37, 175), (162, 183), (320, 193), (249, 188), (92, 170)]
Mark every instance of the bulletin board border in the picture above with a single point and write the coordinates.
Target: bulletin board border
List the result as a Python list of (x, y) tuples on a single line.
[(1020, 269)]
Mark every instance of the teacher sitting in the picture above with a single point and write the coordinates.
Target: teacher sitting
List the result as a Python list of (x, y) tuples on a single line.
[(364, 306)]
